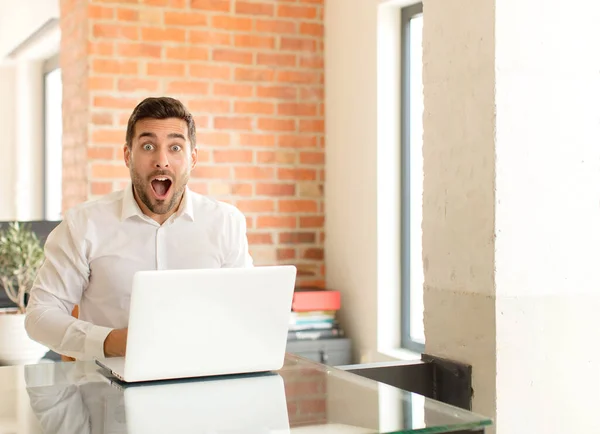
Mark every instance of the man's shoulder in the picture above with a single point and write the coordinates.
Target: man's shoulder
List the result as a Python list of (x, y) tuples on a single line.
[(206, 205), (102, 206)]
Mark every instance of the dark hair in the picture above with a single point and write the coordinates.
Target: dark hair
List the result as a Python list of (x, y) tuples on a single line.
[(160, 108)]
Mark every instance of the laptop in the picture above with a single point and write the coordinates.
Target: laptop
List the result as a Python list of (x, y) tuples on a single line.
[(206, 322), (248, 403)]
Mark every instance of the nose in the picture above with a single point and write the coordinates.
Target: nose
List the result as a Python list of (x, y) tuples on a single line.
[(162, 160)]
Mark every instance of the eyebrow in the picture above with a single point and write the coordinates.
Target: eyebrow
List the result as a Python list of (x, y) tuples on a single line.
[(170, 136)]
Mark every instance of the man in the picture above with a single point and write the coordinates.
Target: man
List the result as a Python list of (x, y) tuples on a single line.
[(154, 223)]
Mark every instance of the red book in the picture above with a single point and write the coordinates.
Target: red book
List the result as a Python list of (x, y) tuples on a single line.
[(316, 299)]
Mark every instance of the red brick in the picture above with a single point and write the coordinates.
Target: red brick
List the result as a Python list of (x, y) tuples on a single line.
[(276, 26), (101, 83), (101, 48), (313, 126), (166, 69), (209, 105), (135, 84), (187, 53), (213, 138), (211, 5), (233, 156), (266, 221), (298, 206), (311, 61), (297, 141), (298, 77), (242, 189), (313, 29), (203, 70), (108, 136), (278, 157), (117, 67), (139, 50), (276, 59), (275, 189), (278, 92), (210, 38), (297, 174), (286, 254), (312, 93), (254, 74), (298, 44), (198, 187), (297, 238), (211, 172), (102, 118), (109, 171), (115, 31), (233, 123), (272, 124), (256, 205), (254, 8), (101, 188), (185, 19), (294, 109), (254, 41), (317, 158), (262, 140), (254, 107), (127, 14), (232, 56), (188, 87), (313, 253), (115, 102), (153, 34), (235, 90), (259, 238), (100, 153), (312, 222), (100, 12), (232, 23), (254, 172), (289, 11)]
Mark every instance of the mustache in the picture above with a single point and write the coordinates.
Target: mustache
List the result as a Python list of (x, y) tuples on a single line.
[(161, 173)]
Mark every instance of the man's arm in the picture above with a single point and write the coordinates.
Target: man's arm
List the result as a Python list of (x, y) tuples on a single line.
[(57, 289), (237, 254)]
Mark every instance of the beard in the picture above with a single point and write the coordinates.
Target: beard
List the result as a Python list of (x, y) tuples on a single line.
[(156, 206)]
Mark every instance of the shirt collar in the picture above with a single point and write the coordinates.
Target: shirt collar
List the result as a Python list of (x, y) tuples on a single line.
[(130, 207)]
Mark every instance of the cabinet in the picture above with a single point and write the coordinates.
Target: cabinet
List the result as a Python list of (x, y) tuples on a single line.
[(333, 352)]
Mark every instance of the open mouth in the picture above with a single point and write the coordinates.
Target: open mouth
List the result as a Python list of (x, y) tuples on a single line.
[(161, 187)]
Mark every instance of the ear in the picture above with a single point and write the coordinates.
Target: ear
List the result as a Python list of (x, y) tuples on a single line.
[(126, 155), (194, 157)]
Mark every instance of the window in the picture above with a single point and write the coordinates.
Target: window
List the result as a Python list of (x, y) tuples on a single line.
[(52, 140), (411, 179)]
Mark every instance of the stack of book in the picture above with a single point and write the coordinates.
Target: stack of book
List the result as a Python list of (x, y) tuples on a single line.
[(313, 314)]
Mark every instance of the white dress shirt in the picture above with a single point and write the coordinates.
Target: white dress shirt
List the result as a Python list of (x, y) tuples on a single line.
[(92, 255)]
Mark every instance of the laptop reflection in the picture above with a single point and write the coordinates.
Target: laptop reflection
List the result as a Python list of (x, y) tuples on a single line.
[(251, 403)]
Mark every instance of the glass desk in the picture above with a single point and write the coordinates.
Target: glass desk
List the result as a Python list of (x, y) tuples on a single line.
[(304, 397)]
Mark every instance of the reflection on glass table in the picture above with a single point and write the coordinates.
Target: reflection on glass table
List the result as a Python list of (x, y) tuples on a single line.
[(304, 397)]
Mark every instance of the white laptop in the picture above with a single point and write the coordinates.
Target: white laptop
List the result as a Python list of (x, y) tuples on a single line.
[(206, 322), (250, 403)]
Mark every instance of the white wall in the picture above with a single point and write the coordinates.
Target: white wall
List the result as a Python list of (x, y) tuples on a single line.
[(7, 147), (362, 164), (21, 110), (18, 20)]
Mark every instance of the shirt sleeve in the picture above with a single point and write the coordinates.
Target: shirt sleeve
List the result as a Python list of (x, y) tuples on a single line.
[(237, 254), (58, 287)]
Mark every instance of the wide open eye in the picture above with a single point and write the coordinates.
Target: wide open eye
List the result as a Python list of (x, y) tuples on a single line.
[(147, 147)]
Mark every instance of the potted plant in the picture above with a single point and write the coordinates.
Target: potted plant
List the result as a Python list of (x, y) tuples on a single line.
[(21, 255)]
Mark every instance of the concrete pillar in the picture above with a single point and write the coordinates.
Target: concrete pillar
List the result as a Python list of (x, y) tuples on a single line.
[(511, 208)]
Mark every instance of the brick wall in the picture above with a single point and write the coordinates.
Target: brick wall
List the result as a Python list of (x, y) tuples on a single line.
[(252, 74)]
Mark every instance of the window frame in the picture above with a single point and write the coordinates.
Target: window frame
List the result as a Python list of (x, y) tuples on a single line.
[(406, 341)]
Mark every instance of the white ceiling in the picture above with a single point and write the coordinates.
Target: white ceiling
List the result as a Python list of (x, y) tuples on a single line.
[(19, 20)]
